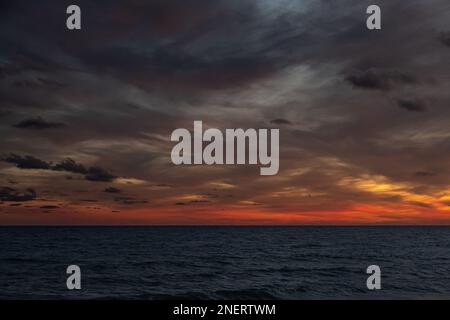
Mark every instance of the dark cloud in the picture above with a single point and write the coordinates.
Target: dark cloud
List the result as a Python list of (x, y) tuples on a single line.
[(280, 121), (421, 204), (193, 202), (70, 165), (175, 69), (129, 200), (38, 123), (26, 162), (99, 174), (376, 79), (129, 42), (424, 174), (94, 173), (411, 105), (444, 37), (49, 207), (112, 190), (199, 201), (10, 194)]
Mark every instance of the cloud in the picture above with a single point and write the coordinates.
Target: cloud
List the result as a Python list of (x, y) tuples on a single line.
[(112, 190), (99, 174), (49, 207), (280, 121), (26, 162), (376, 79), (94, 173), (199, 201), (38, 123), (421, 204), (70, 165), (411, 105), (129, 200), (444, 37), (10, 194), (424, 174)]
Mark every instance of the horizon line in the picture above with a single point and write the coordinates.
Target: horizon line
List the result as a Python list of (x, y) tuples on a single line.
[(225, 225)]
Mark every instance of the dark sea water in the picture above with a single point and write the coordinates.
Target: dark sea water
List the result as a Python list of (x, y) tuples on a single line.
[(225, 262)]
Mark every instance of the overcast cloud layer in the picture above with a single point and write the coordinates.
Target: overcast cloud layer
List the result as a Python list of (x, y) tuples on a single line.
[(86, 116)]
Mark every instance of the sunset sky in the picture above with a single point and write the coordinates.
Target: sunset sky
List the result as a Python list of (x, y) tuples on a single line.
[(86, 116)]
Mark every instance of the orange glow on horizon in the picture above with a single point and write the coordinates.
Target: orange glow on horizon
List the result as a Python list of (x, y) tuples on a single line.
[(358, 214)]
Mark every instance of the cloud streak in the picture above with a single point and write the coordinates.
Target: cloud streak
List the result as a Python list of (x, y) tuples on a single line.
[(37, 123)]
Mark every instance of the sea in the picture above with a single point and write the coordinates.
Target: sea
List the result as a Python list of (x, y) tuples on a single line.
[(215, 262)]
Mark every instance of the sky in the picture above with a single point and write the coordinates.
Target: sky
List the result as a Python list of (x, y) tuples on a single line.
[(86, 116)]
